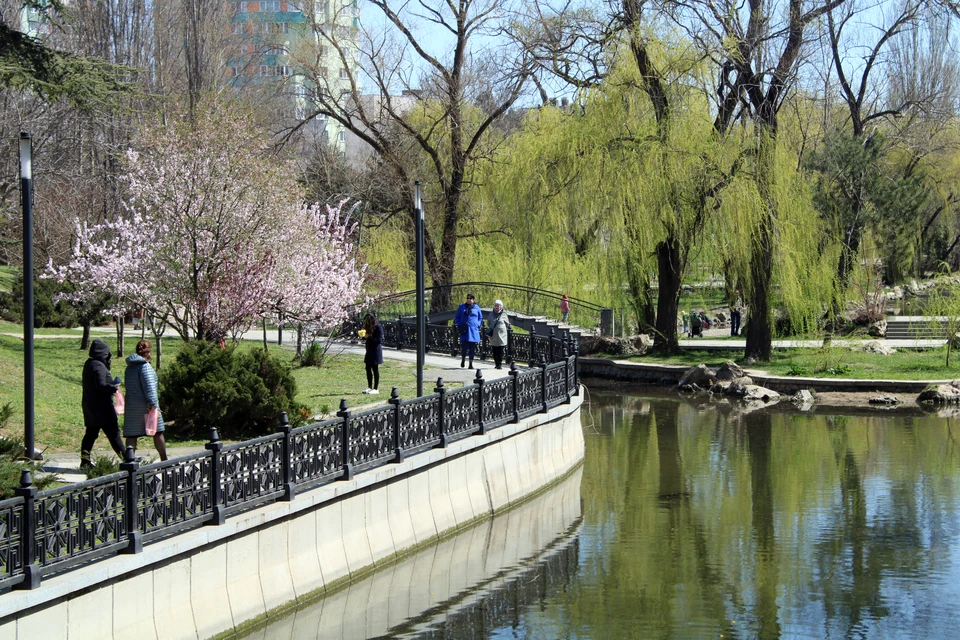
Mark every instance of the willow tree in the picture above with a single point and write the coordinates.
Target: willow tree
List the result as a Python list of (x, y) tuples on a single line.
[(643, 181)]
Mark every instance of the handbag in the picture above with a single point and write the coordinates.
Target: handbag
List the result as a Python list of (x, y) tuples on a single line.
[(118, 402), (150, 422)]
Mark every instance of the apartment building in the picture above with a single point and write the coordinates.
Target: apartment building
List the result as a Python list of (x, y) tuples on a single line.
[(284, 48)]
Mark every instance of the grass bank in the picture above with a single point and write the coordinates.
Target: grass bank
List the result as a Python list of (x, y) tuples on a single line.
[(59, 363), (831, 362)]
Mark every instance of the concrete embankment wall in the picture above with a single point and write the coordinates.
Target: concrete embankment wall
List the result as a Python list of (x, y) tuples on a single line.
[(259, 563), (669, 375)]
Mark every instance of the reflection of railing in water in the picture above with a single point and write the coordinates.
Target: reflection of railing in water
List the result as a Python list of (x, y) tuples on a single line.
[(475, 578), (51, 531)]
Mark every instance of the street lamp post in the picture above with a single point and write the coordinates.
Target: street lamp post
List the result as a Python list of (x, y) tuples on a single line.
[(421, 318), (26, 200)]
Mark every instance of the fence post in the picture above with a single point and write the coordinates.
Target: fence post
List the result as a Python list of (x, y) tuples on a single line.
[(399, 332), (345, 440), (516, 401), (395, 401), (214, 447), (532, 359), (130, 464), (479, 381), (28, 533), (289, 486), (543, 387), (441, 419), (576, 360), (552, 336), (509, 354)]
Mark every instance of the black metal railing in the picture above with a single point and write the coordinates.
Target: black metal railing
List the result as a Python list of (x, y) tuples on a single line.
[(51, 531)]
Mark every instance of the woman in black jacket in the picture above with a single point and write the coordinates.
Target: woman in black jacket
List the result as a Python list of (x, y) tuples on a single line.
[(373, 358), (97, 402)]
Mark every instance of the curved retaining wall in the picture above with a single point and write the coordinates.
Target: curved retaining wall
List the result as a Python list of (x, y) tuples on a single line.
[(215, 579), (670, 374)]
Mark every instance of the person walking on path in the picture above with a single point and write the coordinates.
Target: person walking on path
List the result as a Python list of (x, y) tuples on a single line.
[(141, 382), (373, 358), (97, 403), (736, 313), (469, 319), (498, 324), (564, 308)]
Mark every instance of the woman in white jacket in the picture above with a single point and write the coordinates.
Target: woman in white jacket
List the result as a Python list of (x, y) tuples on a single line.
[(497, 325)]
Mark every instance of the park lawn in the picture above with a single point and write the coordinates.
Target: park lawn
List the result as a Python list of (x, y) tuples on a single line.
[(7, 274), (832, 362), (59, 364)]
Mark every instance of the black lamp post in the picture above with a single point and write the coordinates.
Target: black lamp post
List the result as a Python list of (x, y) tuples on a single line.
[(421, 318), (26, 200)]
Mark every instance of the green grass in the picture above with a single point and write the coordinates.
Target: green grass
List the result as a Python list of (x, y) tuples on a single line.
[(7, 275), (832, 362), (59, 363)]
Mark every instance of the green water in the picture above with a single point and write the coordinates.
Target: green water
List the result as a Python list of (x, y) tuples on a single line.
[(700, 521)]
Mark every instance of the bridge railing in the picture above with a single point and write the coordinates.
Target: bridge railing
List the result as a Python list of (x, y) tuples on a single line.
[(527, 300), (43, 533)]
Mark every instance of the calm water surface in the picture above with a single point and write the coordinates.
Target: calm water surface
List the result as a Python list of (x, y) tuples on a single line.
[(697, 521)]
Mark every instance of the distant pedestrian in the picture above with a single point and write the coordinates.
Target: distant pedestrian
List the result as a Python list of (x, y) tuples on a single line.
[(373, 358), (696, 324), (498, 325), (468, 320), (736, 313), (564, 308), (98, 390), (143, 401)]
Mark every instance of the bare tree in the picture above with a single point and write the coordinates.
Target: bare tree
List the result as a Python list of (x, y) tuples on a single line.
[(423, 90)]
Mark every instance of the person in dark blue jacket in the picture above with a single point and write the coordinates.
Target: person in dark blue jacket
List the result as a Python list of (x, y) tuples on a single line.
[(373, 358), (469, 319)]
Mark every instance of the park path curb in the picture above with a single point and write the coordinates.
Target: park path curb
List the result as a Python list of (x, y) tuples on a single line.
[(666, 374)]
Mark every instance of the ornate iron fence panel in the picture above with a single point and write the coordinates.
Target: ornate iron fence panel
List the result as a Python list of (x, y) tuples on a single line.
[(252, 471), (521, 346), (528, 392), (316, 451), (443, 339), (498, 402), (407, 333), (174, 494), (11, 539), (556, 383), (371, 437), (420, 422), (461, 410), (391, 333), (541, 348), (572, 378), (80, 519)]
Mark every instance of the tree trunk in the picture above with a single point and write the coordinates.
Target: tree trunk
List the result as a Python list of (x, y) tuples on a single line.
[(85, 339), (264, 334), (759, 330), (299, 354), (120, 328), (669, 273)]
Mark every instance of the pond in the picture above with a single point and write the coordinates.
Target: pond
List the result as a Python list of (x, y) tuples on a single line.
[(695, 520)]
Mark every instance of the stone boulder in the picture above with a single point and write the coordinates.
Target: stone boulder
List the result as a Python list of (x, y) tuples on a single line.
[(898, 293), (876, 347), (699, 376), (888, 400), (878, 329), (642, 343), (941, 394), (738, 386), (608, 345), (729, 370), (803, 397), (756, 392)]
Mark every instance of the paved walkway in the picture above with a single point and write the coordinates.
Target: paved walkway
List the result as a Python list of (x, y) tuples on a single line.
[(66, 466)]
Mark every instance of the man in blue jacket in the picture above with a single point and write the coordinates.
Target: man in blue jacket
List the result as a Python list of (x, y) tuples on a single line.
[(469, 319)]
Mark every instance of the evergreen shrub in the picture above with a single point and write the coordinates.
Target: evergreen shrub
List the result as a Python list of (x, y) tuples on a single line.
[(46, 312), (240, 393)]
